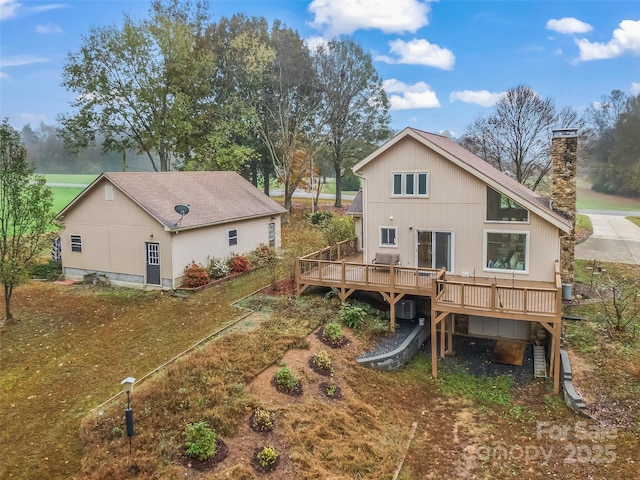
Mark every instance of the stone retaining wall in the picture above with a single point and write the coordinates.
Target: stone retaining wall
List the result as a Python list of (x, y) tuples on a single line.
[(571, 397), (401, 355)]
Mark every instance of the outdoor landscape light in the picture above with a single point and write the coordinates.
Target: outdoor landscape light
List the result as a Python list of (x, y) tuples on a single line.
[(127, 384)]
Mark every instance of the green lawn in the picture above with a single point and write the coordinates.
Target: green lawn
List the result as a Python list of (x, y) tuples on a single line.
[(70, 178), (587, 199), (63, 195)]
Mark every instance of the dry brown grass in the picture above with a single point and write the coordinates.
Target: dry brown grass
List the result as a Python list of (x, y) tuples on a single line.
[(73, 346)]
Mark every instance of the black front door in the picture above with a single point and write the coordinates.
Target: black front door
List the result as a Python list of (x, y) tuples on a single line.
[(153, 263)]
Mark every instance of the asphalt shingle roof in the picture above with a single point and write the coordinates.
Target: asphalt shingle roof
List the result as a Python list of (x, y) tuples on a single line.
[(212, 197)]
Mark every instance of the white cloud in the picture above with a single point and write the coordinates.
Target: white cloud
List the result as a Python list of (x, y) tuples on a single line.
[(48, 28), (8, 9), (626, 39), (48, 7), (4, 75), (20, 60), (484, 98), (635, 88), (418, 95), (313, 43), (419, 52), (32, 117), (346, 16), (568, 25)]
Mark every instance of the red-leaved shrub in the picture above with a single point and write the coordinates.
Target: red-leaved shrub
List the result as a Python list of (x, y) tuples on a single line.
[(239, 264), (195, 275)]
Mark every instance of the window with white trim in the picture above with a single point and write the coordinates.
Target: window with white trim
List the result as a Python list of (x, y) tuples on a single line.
[(233, 237), (272, 234), (388, 237), (506, 251), (108, 192), (76, 243), (410, 184)]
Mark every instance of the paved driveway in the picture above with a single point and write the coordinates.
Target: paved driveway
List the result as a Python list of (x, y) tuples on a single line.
[(615, 239)]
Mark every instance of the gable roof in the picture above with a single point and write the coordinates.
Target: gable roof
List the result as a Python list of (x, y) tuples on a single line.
[(479, 168), (213, 197)]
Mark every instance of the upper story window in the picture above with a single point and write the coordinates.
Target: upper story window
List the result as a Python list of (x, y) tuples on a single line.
[(233, 237), (501, 208), (76, 243), (506, 251), (410, 184), (108, 192)]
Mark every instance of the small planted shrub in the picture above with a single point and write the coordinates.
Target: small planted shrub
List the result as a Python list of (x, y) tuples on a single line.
[(321, 217), (218, 268), (200, 440), (352, 315), (332, 335), (195, 275), (267, 458), (321, 363), (239, 264), (262, 420), (331, 390), (286, 382)]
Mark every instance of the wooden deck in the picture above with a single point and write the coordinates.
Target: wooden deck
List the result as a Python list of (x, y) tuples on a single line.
[(341, 268)]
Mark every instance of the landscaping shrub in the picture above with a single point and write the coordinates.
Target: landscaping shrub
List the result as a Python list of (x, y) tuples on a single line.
[(195, 275), (201, 440), (239, 264), (50, 270), (262, 420), (218, 268), (352, 315), (321, 362), (267, 457), (340, 228), (286, 380), (332, 332), (321, 217)]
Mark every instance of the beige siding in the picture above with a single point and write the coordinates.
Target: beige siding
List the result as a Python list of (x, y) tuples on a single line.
[(113, 233), (200, 244), (456, 203)]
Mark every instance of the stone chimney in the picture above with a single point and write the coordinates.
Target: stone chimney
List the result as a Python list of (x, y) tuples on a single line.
[(564, 159)]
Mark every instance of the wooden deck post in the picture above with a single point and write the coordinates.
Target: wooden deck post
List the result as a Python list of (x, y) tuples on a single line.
[(434, 344)]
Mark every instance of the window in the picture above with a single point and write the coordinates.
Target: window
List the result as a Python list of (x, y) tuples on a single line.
[(506, 251), (388, 237), (410, 184), (272, 235), (233, 237), (108, 192), (501, 208), (76, 243)]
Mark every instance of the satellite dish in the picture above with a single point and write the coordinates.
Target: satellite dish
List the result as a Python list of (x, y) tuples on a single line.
[(182, 209)]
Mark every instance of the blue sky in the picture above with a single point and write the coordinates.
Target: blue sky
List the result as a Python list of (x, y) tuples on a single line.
[(443, 63)]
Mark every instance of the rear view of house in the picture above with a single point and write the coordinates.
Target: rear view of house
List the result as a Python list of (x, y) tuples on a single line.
[(142, 228)]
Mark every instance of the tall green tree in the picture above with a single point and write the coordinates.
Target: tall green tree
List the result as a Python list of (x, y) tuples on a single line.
[(26, 213), (142, 84), (623, 165), (354, 109), (603, 117)]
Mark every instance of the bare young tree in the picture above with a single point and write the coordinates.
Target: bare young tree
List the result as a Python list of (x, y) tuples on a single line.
[(515, 138)]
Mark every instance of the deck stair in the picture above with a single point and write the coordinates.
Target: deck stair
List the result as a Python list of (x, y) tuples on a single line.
[(539, 362)]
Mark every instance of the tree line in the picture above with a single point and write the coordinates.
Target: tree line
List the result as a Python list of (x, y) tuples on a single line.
[(237, 94)]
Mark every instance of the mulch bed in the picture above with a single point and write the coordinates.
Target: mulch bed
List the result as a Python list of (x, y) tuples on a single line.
[(340, 343), (337, 393), (203, 465), (294, 392), (257, 427), (316, 368), (255, 463)]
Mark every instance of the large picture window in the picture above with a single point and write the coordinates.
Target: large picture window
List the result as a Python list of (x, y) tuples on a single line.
[(506, 251), (410, 184), (388, 237), (501, 208)]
